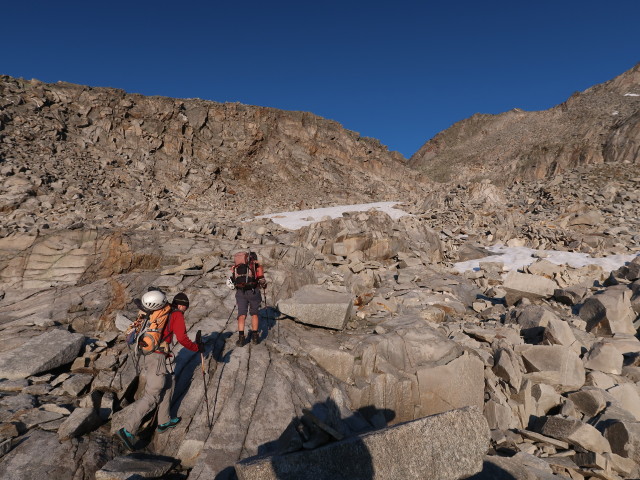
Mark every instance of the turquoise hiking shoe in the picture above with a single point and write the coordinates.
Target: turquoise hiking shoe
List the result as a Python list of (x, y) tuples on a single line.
[(126, 437), (170, 424)]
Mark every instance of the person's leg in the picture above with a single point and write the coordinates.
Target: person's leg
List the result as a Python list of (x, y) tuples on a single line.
[(241, 323), (243, 306), (165, 420), (164, 414), (254, 303), (155, 377)]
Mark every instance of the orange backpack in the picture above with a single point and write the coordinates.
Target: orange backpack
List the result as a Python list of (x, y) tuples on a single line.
[(150, 336)]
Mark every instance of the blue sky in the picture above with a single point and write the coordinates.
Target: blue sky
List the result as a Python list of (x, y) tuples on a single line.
[(398, 71)]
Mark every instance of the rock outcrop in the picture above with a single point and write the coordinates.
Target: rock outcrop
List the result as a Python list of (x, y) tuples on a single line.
[(457, 442), (599, 125), (73, 156)]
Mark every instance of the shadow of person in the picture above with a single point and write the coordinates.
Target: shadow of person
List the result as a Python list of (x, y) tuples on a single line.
[(491, 470), (187, 362), (377, 417), (267, 322), (324, 443), (228, 473)]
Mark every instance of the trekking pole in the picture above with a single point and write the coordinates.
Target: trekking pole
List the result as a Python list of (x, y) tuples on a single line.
[(204, 377), (266, 305), (228, 319), (275, 319), (227, 324)]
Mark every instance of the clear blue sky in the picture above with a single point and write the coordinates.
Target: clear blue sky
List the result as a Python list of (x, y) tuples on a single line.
[(398, 71)]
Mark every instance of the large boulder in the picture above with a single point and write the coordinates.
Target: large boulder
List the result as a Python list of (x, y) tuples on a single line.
[(81, 421), (628, 397), (522, 285), (604, 357), (553, 365), (450, 445), (45, 352), (533, 319), (314, 305), (39, 454), (385, 366), (576, 433), (624, 438), (458, 384), (590, 401), (508, 366), (558, 332), (609, 312), (135, 465)]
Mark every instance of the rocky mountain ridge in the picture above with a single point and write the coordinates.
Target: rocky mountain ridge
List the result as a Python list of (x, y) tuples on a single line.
[(117, 159), (599, 125)]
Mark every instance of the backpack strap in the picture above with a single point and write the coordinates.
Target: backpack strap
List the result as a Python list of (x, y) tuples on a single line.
[(163, 336)]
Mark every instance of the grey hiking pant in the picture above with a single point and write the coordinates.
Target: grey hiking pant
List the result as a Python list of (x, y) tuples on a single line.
[(157, 393), (248, 301)]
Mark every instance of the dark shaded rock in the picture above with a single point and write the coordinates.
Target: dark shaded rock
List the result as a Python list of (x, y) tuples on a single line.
[(458, 440), (135, 465)]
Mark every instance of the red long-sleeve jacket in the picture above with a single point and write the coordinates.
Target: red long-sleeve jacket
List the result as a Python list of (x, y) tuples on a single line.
[(176, 326)]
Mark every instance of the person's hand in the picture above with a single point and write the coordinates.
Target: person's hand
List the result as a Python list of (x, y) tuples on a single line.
[(263, 283), (199, 342)]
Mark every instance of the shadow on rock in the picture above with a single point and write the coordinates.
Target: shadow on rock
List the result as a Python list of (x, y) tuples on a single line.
[(308, 449), (491, 471), (138, 465), (228, 473), (268, 323), (187, 362)]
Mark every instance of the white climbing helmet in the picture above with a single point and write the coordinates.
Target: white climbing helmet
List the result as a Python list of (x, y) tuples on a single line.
[(154, 300)]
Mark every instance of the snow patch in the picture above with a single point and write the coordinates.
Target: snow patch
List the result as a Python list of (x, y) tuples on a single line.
[(632, 94), (302, 218), (515, 258)]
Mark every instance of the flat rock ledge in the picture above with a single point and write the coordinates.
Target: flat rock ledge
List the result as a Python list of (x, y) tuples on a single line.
[(314, 305), (135, 465), (40, 354), (447, 446)]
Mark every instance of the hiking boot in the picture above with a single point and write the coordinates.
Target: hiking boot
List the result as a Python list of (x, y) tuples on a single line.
[(255, 338), (170, 424), (241, 340), (126, 437)]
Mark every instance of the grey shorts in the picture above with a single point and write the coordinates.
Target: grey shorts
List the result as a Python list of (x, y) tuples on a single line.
[(248, 300)]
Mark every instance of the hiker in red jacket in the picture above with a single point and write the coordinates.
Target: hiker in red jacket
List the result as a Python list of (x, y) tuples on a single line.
[(158, 372)]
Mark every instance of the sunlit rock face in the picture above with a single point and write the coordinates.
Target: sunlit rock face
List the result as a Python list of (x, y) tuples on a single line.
[(77, 156), (599, 125)]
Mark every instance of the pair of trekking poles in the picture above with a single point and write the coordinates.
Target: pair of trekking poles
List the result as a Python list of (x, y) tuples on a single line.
[(204, 371), (199, 341)]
